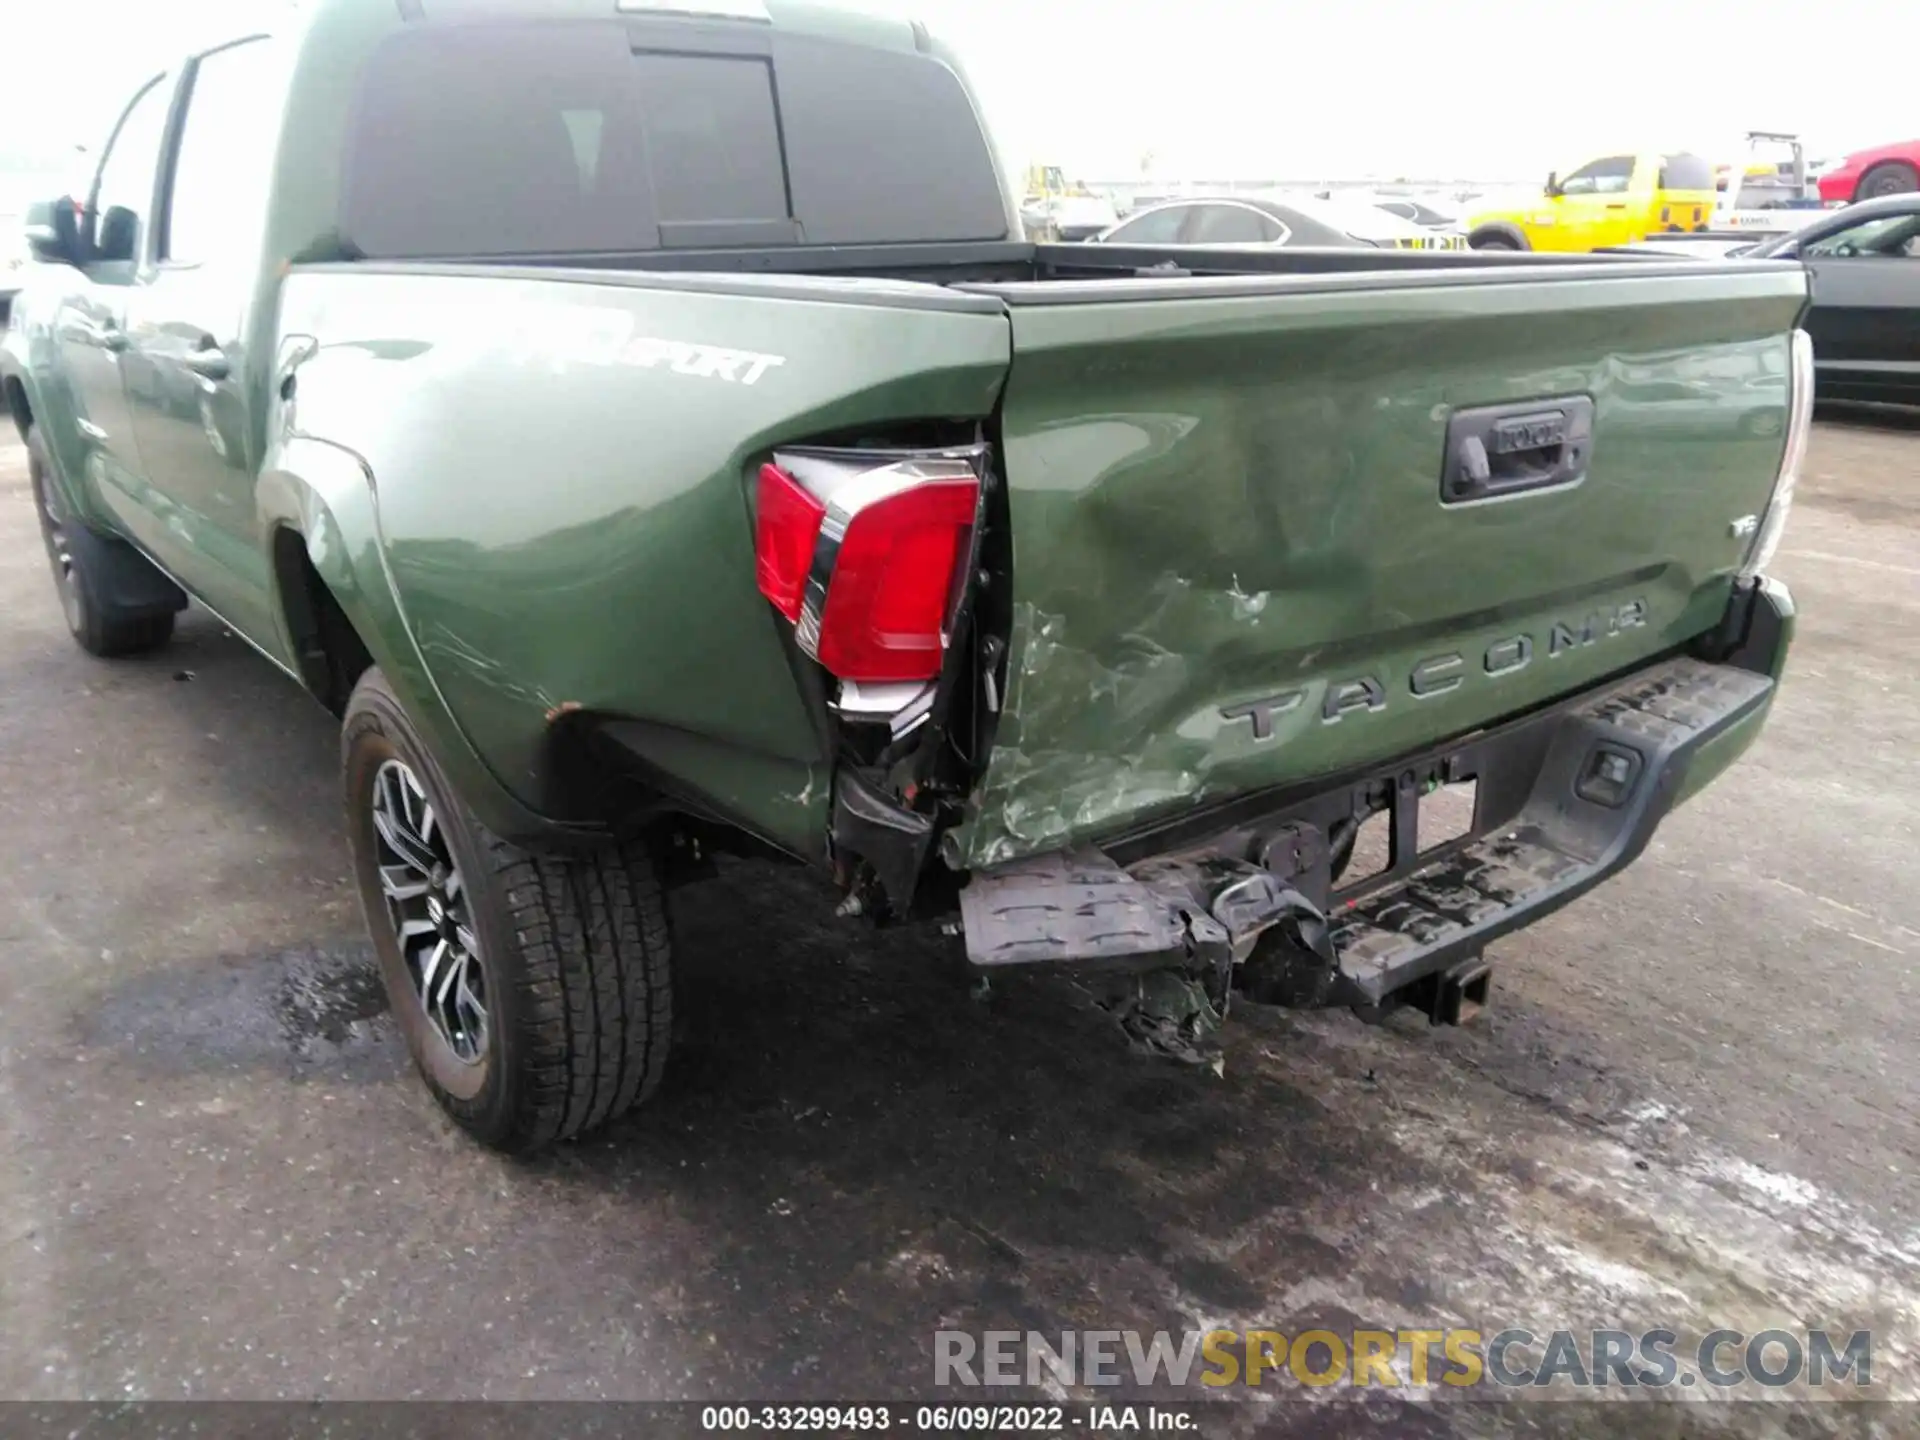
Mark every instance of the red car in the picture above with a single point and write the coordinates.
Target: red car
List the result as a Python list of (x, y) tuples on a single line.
[(1865, 174)]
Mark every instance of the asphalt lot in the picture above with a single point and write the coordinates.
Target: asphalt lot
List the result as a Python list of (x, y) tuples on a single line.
[(1693, 1103)]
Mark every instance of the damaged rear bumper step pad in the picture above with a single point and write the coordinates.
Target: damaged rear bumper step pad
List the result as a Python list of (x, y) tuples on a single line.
[(1565, 798)]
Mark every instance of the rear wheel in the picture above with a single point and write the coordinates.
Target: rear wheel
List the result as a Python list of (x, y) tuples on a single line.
[(534, 989), (105, 613), (1493, 240), (1894, 177)]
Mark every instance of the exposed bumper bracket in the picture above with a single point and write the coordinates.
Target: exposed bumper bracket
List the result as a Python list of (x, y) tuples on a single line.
[(1566, 798)]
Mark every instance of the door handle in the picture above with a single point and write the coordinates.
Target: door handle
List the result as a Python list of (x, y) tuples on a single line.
[(1616, 205), (1497, 450), (209, 363)]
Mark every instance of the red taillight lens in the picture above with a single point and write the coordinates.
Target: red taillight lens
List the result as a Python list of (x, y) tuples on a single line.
[(862, 550), (893, 582), (786, 527)]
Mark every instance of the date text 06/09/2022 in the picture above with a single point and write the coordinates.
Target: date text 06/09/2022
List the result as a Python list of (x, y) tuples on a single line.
[(1044, 1419)]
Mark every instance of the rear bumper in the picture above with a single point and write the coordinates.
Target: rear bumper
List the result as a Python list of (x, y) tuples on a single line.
[(1565, 798)]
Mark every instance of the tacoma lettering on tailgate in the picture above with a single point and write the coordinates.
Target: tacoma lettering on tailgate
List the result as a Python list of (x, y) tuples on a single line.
[(1438, 674)]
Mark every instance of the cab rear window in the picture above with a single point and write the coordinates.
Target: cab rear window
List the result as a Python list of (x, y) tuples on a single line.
[(588, 137), (1685, 172)]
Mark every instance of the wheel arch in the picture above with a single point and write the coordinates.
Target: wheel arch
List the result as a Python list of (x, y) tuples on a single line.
[(317, 517), (1891, 162), (339, 615), (19, 406), (328, 652), (1500, 230), (32, 402)]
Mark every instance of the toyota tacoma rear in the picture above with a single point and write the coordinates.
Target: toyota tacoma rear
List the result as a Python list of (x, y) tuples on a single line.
[(673, 483)]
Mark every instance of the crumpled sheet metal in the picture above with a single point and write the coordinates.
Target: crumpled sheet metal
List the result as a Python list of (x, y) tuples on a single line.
[(1177, 927), (1088, 739)]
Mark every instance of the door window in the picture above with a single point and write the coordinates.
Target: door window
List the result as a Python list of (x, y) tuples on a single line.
[(1895, 236), (123, 190), (1232, 225), (1156, 227), (1610, 176), (224, 161)]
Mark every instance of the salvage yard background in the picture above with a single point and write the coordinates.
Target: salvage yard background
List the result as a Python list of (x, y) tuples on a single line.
[(1692, 1104)]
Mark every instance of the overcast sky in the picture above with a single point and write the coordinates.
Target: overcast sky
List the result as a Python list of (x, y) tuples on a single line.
[(1256, 88)]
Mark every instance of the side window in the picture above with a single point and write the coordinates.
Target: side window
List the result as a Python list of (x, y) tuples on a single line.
[(224, 159), (712, 140), (123, 190), (1156, 227), (1232, 225), (1895, 236), (1610, 176), (1404, 209)]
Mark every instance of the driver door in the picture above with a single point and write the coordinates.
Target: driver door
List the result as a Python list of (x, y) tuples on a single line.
[(90, 327), (1593, 204)]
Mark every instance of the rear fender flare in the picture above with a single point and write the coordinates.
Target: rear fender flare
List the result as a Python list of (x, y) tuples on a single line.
[(323, 492), (25, 396)]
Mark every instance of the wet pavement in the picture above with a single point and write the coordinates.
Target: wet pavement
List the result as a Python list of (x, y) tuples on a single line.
[(1691, 1105)]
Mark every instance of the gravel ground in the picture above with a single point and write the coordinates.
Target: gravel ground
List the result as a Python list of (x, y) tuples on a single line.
[(1691, 1105)]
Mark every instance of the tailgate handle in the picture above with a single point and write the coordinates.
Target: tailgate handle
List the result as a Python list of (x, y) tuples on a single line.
[(1494, 451)]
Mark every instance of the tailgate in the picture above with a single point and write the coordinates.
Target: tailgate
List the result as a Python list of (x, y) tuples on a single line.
[(1234, 564)]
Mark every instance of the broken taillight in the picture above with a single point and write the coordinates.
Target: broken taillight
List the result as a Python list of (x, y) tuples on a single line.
[(786, 524), (862, 549)]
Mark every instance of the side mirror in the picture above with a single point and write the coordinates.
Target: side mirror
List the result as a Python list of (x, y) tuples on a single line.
[(53, 231), (1553, 183)]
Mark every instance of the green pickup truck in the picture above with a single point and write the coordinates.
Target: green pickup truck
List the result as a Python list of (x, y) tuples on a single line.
[(646, 427)]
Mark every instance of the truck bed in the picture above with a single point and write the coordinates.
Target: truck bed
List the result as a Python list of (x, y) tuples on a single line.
[(1003, 263)]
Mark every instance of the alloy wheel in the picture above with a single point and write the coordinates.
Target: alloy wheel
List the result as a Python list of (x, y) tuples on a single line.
[(60, 554), (427, 905)]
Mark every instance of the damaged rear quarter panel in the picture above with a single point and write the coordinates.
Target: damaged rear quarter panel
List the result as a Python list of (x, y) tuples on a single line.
[(1221, 502), (560, 464)]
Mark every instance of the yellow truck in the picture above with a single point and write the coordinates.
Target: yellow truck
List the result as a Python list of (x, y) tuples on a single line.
[(1614, 200)]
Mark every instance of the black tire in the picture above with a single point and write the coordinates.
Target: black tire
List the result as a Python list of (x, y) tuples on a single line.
[(1890, 177), (572, 949), (1492, 240), (115, 603)]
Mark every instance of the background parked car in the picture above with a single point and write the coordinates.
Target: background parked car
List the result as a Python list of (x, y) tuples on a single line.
[(1865, 316), (1424, 211), (1614, 200), (1274, 220), (1868, 174), (1865, 319), (1419, 212)]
